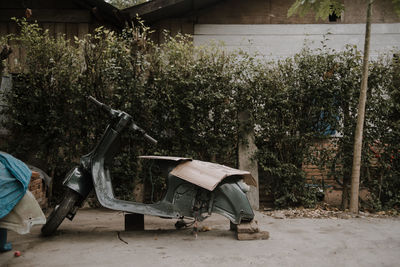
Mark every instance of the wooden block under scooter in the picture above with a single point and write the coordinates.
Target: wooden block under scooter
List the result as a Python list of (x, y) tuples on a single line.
[(134, 222), (250, 231), (263, 235), (248, 227)]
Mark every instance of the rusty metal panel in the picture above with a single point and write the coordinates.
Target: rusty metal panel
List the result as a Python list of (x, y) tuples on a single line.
[(165, 158), (208, 175)]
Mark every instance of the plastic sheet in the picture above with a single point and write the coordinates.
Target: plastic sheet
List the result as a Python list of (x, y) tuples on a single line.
[(24, 215)]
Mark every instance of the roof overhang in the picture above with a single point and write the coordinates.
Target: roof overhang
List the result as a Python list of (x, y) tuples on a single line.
[(105, 12), (161, 9)]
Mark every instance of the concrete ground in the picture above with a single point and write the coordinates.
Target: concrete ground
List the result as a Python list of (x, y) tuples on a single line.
[(92, 239)]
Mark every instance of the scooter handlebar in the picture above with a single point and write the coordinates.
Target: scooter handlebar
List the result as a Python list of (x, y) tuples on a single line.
[(133, 126), (151, 139), (148, 137), (101, 105)]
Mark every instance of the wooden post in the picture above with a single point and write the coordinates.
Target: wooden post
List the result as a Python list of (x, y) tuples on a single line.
[(247, 150)]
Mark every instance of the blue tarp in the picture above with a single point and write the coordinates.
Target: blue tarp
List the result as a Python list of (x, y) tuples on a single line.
[(14, 181)]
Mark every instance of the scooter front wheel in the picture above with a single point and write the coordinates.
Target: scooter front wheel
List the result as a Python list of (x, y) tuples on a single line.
[(60, 212)]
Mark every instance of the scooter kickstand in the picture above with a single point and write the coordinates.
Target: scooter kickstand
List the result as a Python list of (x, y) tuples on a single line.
[(195, 230)]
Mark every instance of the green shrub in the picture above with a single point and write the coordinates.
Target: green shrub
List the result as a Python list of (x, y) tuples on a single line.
[(180, 94), (189, 98), (301, 101)]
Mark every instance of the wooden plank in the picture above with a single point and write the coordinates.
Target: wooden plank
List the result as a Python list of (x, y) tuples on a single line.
[(3, 29), (5, 4), (249, 231), (175, 27), (51, 28), (7, 14), (236, 12), (187, 27), (154, 37), (263, 235), (93, 26), (83, 29), (162, 37), (72, 30), (60, 29), (152, 6), (250, 227), (165, 26), (48, 15)]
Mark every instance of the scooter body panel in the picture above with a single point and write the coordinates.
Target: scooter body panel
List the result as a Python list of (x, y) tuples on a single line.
[(195, 189), (79, 181), (184, 196), (231, 201)]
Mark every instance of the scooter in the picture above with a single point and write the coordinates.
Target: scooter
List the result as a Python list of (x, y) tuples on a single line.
[(195, 189)]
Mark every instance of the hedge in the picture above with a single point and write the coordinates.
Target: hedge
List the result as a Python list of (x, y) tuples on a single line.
[(189, 98)]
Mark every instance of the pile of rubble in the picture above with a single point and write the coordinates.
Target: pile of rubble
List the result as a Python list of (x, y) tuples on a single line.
[(325, 211)]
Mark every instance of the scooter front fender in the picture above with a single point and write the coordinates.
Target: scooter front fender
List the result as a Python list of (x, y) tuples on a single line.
[(79, 181), (231, 201)]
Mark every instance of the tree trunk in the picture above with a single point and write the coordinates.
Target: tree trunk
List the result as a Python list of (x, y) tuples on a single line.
[(347, 158), (358, 137)]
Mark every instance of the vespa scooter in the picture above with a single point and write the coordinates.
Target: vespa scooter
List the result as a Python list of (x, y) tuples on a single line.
[(195, 189)]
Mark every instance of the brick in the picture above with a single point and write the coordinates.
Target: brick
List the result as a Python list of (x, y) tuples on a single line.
[(32, 188), (35, 175), (38, 189)]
